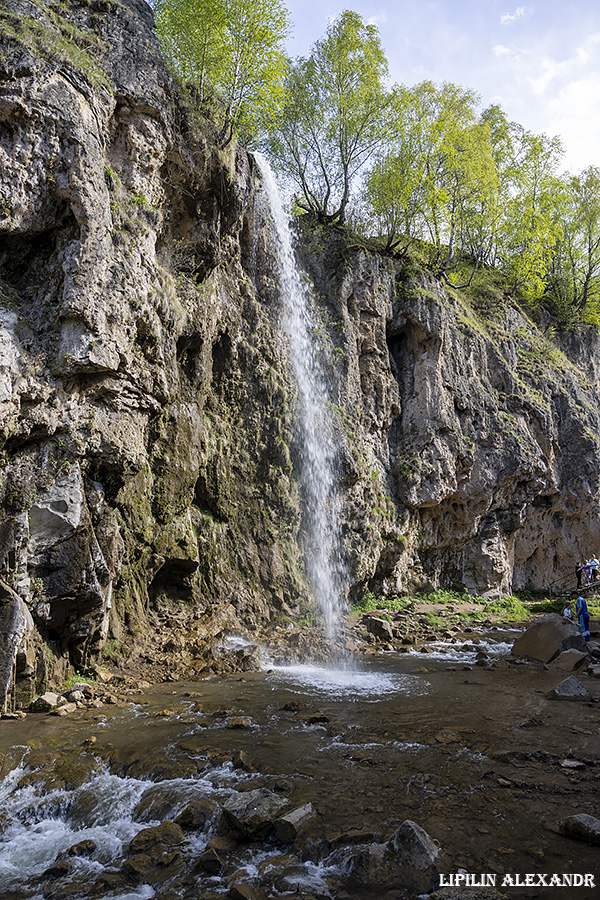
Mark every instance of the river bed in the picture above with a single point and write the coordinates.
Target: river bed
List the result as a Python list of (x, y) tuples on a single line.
[(475, 755)]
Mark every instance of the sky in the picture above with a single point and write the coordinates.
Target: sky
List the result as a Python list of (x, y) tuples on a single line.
[(540, 61)]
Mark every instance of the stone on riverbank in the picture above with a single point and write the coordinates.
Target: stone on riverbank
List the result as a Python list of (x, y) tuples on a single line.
[(253, 813), (581, 827), (407, 860), (569, 659), (569, 689), (45, 703), (288, 827), (547, 637)]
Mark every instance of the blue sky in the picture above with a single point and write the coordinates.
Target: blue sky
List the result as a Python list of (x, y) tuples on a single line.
[(540, 60)]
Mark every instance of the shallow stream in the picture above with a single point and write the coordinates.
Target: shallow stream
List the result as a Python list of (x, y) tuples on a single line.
[(472, 754)]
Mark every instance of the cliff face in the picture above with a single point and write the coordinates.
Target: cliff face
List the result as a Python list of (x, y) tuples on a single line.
[(481, 431), (146, 401)]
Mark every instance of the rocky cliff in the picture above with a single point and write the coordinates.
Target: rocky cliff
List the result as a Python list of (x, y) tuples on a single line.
[(146, 402)]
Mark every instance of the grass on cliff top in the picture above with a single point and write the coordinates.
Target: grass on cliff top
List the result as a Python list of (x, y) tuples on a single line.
[(451, 607)]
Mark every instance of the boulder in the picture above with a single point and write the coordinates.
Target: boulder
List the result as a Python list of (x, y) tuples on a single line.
[(581, 827), (408, 860), (569, 659), (288, 827), (547, 637), (149, 840), (416, 854), (253, 813), (569, 689), (45, 703), (197, 814), (379, 628)]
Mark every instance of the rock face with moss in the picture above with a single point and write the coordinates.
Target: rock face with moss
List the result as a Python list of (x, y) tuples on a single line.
[(146, 402), (473, 451)]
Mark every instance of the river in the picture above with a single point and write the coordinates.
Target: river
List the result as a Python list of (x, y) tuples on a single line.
[(472, 754)]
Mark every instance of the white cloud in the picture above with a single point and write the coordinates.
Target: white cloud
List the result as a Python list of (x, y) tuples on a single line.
[(519, 13), (500, 50), (569, 113), (378, 19)]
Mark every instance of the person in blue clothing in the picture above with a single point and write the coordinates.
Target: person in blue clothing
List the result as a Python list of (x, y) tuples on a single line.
[(583, 616)]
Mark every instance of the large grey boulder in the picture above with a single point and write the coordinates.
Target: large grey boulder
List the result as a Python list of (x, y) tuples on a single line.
[(253, 813), (407, 860), (569, 689), (547, 637), (582, 827)]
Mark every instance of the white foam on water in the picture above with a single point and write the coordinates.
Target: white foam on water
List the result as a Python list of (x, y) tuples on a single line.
[(347, 682), (462, 653)]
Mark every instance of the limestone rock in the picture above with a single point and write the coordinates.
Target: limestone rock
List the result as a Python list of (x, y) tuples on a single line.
[(547, 637), (569, 689), (45, 703), (570, 659), (379, 627), (407, 860), (289, 826), (149, 840), (582, 827), (254, 813), (415, 851)]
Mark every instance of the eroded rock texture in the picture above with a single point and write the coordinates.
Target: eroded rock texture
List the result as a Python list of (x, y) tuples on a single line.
[(146, 403)]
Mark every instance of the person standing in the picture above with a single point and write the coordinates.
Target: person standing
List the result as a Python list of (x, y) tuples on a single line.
[(593, 564), (579, 570), (583, 616)]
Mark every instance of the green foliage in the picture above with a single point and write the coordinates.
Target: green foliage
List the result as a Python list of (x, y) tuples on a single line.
[(229, 52), (52, 35), (77, 678), (369, 602), (334, 116)]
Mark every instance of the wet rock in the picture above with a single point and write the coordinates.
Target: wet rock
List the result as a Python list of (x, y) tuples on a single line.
[(241, 760), (415, 851), (380, 628), (547, 637), (45, 703), (83, 848), (239, 722), (594, 671), (245, 891), (569, 689), (197, 814), (150, 839), (210, 862), (138, 867), (569, 659), (407, 860), (288, 827), (253, 813), (581, 827), (60, 869)]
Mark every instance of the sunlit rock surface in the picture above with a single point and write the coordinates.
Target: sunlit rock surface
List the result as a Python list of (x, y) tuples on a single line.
[(148, 475)]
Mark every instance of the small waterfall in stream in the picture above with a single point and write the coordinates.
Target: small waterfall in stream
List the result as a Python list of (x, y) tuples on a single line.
[(314, 423)]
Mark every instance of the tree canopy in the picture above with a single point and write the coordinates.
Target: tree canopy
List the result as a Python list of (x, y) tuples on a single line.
[(229, 52), (410, 164), (333, 117)]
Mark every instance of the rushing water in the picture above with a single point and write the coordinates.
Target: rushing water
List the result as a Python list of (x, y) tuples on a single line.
[(438, 744), (314, 424)]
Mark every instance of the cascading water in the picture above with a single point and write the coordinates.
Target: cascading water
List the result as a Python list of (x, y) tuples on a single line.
[(314, 424)]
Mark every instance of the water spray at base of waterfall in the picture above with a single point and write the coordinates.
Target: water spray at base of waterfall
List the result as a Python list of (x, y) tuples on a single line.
[(314, 424)]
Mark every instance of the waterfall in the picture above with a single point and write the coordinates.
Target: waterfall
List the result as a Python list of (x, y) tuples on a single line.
[(314, 422)]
